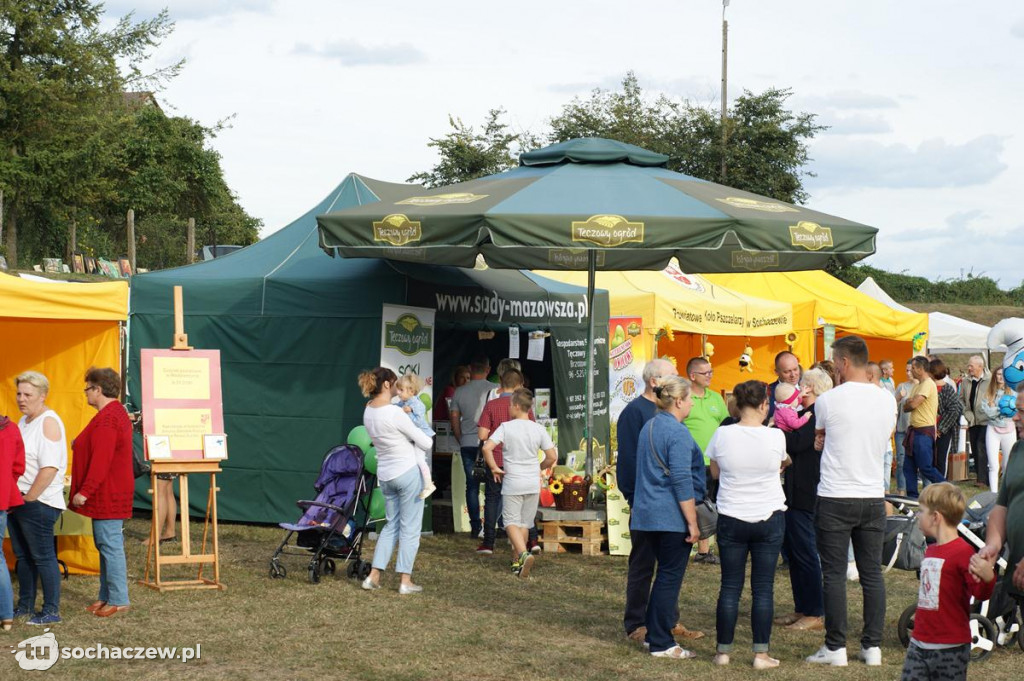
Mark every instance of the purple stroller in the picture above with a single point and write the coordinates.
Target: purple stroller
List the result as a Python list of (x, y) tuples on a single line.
[(334, 524)]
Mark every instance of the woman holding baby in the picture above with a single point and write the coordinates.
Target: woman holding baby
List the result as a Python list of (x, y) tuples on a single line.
[(800, 484)]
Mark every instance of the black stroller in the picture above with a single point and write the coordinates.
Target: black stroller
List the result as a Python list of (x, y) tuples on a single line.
[(333, 526), (995, 622)]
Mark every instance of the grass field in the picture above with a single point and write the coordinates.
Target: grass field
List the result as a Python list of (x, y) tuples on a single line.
[(473, 621)]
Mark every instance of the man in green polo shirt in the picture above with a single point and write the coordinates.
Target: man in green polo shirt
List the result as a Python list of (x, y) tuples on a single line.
[(706, 415)]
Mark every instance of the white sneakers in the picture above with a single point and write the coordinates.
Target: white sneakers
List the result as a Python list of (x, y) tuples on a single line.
[(370, 585), (407, 589), (872, 656), (836, 658), (851, 572)]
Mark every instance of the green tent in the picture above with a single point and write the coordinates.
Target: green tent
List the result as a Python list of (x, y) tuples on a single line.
[(596, 204), (295, 327)]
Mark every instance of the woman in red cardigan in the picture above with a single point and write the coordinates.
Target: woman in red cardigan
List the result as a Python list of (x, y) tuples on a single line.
[(102, 485), (12, 465)]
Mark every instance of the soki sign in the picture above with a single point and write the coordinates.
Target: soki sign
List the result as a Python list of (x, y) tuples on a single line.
[(407, 343)]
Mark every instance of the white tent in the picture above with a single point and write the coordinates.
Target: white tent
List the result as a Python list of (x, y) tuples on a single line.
[(946, 333)]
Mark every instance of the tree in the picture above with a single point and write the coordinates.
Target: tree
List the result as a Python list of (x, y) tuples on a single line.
[(59, 82), (467, 154), (766, 151), (80, 144)]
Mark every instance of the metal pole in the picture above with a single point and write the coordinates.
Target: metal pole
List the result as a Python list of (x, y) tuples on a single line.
[(588, 428), (725, 62)]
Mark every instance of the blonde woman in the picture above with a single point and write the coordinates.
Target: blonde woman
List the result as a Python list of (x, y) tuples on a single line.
[(670, 482), (42, 487), (1000, 433)]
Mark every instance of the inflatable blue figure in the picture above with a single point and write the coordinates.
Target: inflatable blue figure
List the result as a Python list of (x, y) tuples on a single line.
[(1010, 332)]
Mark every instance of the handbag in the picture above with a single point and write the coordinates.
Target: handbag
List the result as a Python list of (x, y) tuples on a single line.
[(707, 511), (140, 467), (481, 472)]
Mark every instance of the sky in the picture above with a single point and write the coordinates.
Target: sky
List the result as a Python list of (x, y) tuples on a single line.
[(923, 99)]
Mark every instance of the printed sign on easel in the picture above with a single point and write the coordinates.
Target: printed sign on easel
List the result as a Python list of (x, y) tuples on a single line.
[(181, 399)]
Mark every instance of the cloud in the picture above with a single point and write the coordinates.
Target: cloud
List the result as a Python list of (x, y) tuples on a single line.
[(1018, 29), (351, 53), (857, 124), (958, 225), (850, 99), (184, 9), (934, 163)]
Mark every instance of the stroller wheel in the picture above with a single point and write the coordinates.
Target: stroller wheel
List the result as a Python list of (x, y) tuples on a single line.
[(277, 570), (353, 568), (314, 575), (1019, 618), (364, 570), (329, 567), (983, 637), (905, 626)]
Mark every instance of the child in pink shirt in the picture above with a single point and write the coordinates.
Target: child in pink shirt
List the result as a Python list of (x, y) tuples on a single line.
[(787, 400)]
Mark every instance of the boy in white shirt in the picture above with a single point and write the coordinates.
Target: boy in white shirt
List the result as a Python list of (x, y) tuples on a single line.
[(520, 438)]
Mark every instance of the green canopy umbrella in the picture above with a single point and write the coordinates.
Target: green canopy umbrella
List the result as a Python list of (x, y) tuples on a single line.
[(596, 204)]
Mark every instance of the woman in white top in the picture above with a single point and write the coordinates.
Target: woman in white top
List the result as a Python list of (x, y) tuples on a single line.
[(394, 434), (42, 487), (746, 458), (1000, 433)]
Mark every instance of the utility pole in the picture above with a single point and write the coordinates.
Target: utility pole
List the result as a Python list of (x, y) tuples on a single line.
[(725, 100)]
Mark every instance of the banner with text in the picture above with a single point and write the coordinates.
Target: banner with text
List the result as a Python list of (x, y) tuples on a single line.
[(626, 358), (407, 346)]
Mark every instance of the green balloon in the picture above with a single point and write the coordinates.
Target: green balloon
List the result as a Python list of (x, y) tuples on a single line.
[(377, 507), (427, 402), (370, 460), (360, 438)]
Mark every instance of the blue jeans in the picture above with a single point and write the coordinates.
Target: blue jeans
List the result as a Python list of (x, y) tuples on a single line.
[(901, 479), (923, 458), (404, 511), (31, 528), (672, 552), (472, 490), (6, 592), (837, 522), (804, 565), (108, 536), (762, 540)]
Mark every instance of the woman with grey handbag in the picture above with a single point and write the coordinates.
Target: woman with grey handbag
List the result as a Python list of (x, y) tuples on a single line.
[(669, 485), (746, 458)]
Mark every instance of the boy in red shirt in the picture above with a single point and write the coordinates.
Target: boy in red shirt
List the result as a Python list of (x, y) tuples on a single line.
[(951, 573)]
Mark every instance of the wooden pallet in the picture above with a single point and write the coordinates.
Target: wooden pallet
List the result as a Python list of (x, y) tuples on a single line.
[(573, 536)]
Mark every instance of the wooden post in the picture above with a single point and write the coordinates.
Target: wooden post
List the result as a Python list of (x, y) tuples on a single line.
[(131, 238), (73, 238), (1, 216), (190, 241), (180, 337)]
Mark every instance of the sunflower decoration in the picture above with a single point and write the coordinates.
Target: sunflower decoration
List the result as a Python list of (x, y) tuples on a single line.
[(665, 332), (791, 339), (556, 486)]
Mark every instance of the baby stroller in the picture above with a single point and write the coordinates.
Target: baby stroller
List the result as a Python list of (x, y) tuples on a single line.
[(332, 527), (996, 621)]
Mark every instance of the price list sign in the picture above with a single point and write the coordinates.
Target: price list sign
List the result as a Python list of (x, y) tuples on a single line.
[(181, 398)]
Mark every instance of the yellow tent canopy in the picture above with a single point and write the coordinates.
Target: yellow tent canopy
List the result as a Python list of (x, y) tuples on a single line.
[(818, 299), (60, 329), (697, 309), (686, 303)]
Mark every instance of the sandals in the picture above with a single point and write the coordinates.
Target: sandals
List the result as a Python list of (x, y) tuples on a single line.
[(95, 606), (675, 653)]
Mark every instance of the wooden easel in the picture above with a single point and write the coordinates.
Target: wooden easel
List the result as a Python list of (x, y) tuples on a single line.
[(154, 560)]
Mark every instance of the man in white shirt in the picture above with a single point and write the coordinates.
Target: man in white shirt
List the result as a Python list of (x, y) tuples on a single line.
[(853, 424)]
